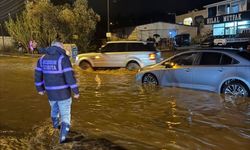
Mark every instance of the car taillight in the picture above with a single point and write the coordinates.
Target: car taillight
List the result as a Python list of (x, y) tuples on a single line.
[(152, 56)]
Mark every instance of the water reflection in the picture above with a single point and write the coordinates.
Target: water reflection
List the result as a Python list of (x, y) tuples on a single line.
[(114, 108)]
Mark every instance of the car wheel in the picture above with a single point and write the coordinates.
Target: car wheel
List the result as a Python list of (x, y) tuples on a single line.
[(85, 65), (133, 66), (150, 79), (236, 89)]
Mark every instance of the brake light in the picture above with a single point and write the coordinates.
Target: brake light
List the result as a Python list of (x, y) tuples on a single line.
[(152, 56)]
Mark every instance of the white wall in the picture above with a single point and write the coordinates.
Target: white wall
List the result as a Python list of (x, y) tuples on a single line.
[(8, 41), (163, 29)]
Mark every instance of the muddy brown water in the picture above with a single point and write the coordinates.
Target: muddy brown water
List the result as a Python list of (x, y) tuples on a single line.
[(113, 109)]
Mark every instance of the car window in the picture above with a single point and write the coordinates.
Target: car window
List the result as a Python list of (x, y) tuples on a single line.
[(210, 58), (227, 60), (109, 47), (121, 47), (140, 47), (114, 47), (184, 59), (136, 47)]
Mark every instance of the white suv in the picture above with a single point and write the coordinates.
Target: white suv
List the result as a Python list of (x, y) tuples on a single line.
[(132, 55)]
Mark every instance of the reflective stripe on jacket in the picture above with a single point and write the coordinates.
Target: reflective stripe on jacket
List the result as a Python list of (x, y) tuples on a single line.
[(54, 73)]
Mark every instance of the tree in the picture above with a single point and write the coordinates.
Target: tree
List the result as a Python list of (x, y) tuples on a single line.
[(199, 22), (43, 21), (19, 30)]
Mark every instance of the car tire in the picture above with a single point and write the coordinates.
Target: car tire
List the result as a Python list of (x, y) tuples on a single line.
[(85, 65), (133, 66), (235, 88), (150, 79)]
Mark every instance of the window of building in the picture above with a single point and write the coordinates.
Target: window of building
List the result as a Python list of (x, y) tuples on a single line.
[(235, 8), (218, 29), (230, 28), (212, 12), (243, 23), (243, 28), (222, 9), (188, 21), (221, 25)]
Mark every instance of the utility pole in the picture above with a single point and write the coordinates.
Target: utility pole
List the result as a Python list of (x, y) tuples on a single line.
[(108, 34), (108, 30)]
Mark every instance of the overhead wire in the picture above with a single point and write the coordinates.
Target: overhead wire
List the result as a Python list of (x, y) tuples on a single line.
[(10, 8)]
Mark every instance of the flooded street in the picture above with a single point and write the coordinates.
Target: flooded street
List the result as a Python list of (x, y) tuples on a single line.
[(113, 108)]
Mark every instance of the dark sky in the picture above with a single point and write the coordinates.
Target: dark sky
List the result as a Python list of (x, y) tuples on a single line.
[(132, 12), (136, 12), (140, 7), (143, 7)]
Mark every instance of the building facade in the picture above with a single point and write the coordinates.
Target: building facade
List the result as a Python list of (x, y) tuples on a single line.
[(195, 18), (229, 18), (189, 18), (157, 29)]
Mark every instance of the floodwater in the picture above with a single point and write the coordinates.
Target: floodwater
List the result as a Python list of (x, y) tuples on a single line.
[(114, 112)]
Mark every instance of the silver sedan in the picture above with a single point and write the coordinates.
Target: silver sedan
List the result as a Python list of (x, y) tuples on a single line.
[(218, 70)]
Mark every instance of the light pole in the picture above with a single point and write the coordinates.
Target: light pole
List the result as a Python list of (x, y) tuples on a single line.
[(108, 28)]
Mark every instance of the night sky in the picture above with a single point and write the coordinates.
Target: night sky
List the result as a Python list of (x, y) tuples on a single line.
[(136, 12), (140, 7), (142, 10)]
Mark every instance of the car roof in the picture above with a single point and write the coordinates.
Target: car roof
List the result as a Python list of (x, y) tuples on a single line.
[(127, 42), (219, 49)]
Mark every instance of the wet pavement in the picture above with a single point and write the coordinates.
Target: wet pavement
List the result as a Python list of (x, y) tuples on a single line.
[(114, 112)]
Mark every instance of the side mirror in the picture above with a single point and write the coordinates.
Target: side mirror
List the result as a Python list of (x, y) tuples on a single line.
[(169, 64)]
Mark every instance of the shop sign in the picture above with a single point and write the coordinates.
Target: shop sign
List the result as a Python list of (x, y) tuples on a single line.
[(228, 18)]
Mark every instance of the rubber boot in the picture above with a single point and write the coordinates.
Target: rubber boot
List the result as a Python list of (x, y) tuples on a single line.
[(64, 132), (55, 122)]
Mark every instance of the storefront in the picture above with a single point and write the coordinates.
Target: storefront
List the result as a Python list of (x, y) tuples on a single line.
[(230, 25)]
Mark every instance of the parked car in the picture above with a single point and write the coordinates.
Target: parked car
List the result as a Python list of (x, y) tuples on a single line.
[(218, 70), (182, 40), (132, 55)]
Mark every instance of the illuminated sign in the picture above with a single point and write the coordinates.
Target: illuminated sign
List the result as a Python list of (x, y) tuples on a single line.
[(228, 18)]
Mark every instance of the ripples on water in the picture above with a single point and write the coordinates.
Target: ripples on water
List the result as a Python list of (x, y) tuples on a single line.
[(114, 108)]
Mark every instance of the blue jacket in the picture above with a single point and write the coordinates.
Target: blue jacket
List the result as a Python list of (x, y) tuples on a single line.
[(54, 74)]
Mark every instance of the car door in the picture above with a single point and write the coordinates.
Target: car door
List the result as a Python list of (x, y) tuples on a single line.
[(181, 73), (117, 56), (101, 59), (211, 69), (112, 55)]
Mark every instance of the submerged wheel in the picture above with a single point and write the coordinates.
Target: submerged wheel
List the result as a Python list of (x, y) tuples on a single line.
[(150, 79), (236, 89), (133, 66), (85, 65)]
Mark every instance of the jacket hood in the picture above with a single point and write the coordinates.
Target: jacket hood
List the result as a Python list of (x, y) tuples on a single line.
[(53, 50)]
